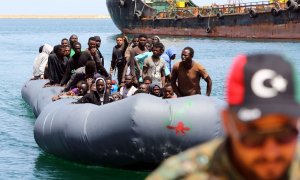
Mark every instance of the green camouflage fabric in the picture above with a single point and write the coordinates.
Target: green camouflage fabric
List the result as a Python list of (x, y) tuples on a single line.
[(208, 162)]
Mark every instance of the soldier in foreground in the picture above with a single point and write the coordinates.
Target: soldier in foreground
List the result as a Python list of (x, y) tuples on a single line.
[(261, 125)]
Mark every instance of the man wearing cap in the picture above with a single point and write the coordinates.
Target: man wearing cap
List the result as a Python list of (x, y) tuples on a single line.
[(261, 128)]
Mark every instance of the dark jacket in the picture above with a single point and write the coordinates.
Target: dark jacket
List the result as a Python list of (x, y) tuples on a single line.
[(95, 97)]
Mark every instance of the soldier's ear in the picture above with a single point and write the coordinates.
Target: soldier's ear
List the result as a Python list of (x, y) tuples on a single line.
[(225, 117)]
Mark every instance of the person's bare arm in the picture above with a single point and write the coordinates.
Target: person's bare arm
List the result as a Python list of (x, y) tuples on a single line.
[(163, 76), (209, 85), (174, 77)]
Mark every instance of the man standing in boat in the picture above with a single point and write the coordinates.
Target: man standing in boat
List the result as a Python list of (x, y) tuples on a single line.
[(118, 60), (186, 75), (261, 123), (135, 69)]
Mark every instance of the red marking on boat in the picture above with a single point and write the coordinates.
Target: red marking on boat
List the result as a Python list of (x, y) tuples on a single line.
[(179, 128)]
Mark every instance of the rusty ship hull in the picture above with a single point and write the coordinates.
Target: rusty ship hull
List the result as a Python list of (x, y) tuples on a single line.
[(128, 17)]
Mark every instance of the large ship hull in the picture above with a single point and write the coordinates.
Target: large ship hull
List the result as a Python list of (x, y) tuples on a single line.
[(285, 25)]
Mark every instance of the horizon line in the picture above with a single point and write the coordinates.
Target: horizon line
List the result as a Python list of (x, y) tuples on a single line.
[(69, 16)]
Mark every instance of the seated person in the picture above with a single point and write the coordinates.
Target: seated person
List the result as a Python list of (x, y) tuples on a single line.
[(98, 97), (56, 65), (116, 97), (128, 89), (139, 91), (147, 80), (79, 91), (155, 90), (41, 61), (114, 87), (82, 74), (168, 92), (144, 87), (111, 86)]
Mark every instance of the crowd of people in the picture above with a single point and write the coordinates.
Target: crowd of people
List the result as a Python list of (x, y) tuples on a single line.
[(143, 65), (261, 119)]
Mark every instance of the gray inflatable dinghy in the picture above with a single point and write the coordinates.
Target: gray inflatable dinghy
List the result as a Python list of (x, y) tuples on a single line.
[(141, 129)]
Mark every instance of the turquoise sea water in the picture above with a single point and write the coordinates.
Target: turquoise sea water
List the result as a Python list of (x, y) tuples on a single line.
[(20, 157)]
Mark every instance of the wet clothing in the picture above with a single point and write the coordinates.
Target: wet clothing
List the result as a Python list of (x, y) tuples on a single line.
[(72, 65), (209, 161), (86, 56), (56, 68), (96, 97), (41, 61), (167, 57)]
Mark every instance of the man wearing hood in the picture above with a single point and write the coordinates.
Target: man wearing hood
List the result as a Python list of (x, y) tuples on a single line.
[(168, 56), (98, 97), (41, 61)]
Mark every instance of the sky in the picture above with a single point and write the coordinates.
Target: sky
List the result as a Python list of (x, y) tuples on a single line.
[(68, 7)]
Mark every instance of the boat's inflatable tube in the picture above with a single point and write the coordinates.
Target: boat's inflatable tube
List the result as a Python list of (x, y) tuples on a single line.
[(142, 129)]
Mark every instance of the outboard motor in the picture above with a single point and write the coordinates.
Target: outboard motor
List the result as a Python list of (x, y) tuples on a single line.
[(292, 5)]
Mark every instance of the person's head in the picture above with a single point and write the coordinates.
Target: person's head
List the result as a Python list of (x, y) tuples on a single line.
[(77, 48), (147, 80), (108, 83), (90, 68), (171, 52), (135, 41), (144, 87), (128, 81), (67, 50), (187, 55), (98, 41), (155, 90), (156, 39), (60, 51), (92, 43), (120, 41), (158, 50), (64, 42), (116, 96), (82, 87), (168, 91), (73, 39), (148, 46), (261, 118), (142, 40), (150, 40), (100, 85), (139, 91)]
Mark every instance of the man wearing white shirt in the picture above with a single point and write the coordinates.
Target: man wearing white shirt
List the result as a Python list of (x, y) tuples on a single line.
[(128, 89)]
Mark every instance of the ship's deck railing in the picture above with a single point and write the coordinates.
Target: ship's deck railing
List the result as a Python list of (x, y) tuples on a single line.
[(226, 9)]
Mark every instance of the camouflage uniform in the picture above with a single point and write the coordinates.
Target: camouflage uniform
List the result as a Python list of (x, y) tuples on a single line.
[(208, 161)]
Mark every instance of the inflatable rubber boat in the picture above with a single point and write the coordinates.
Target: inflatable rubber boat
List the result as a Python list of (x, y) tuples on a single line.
[(141, 129)]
